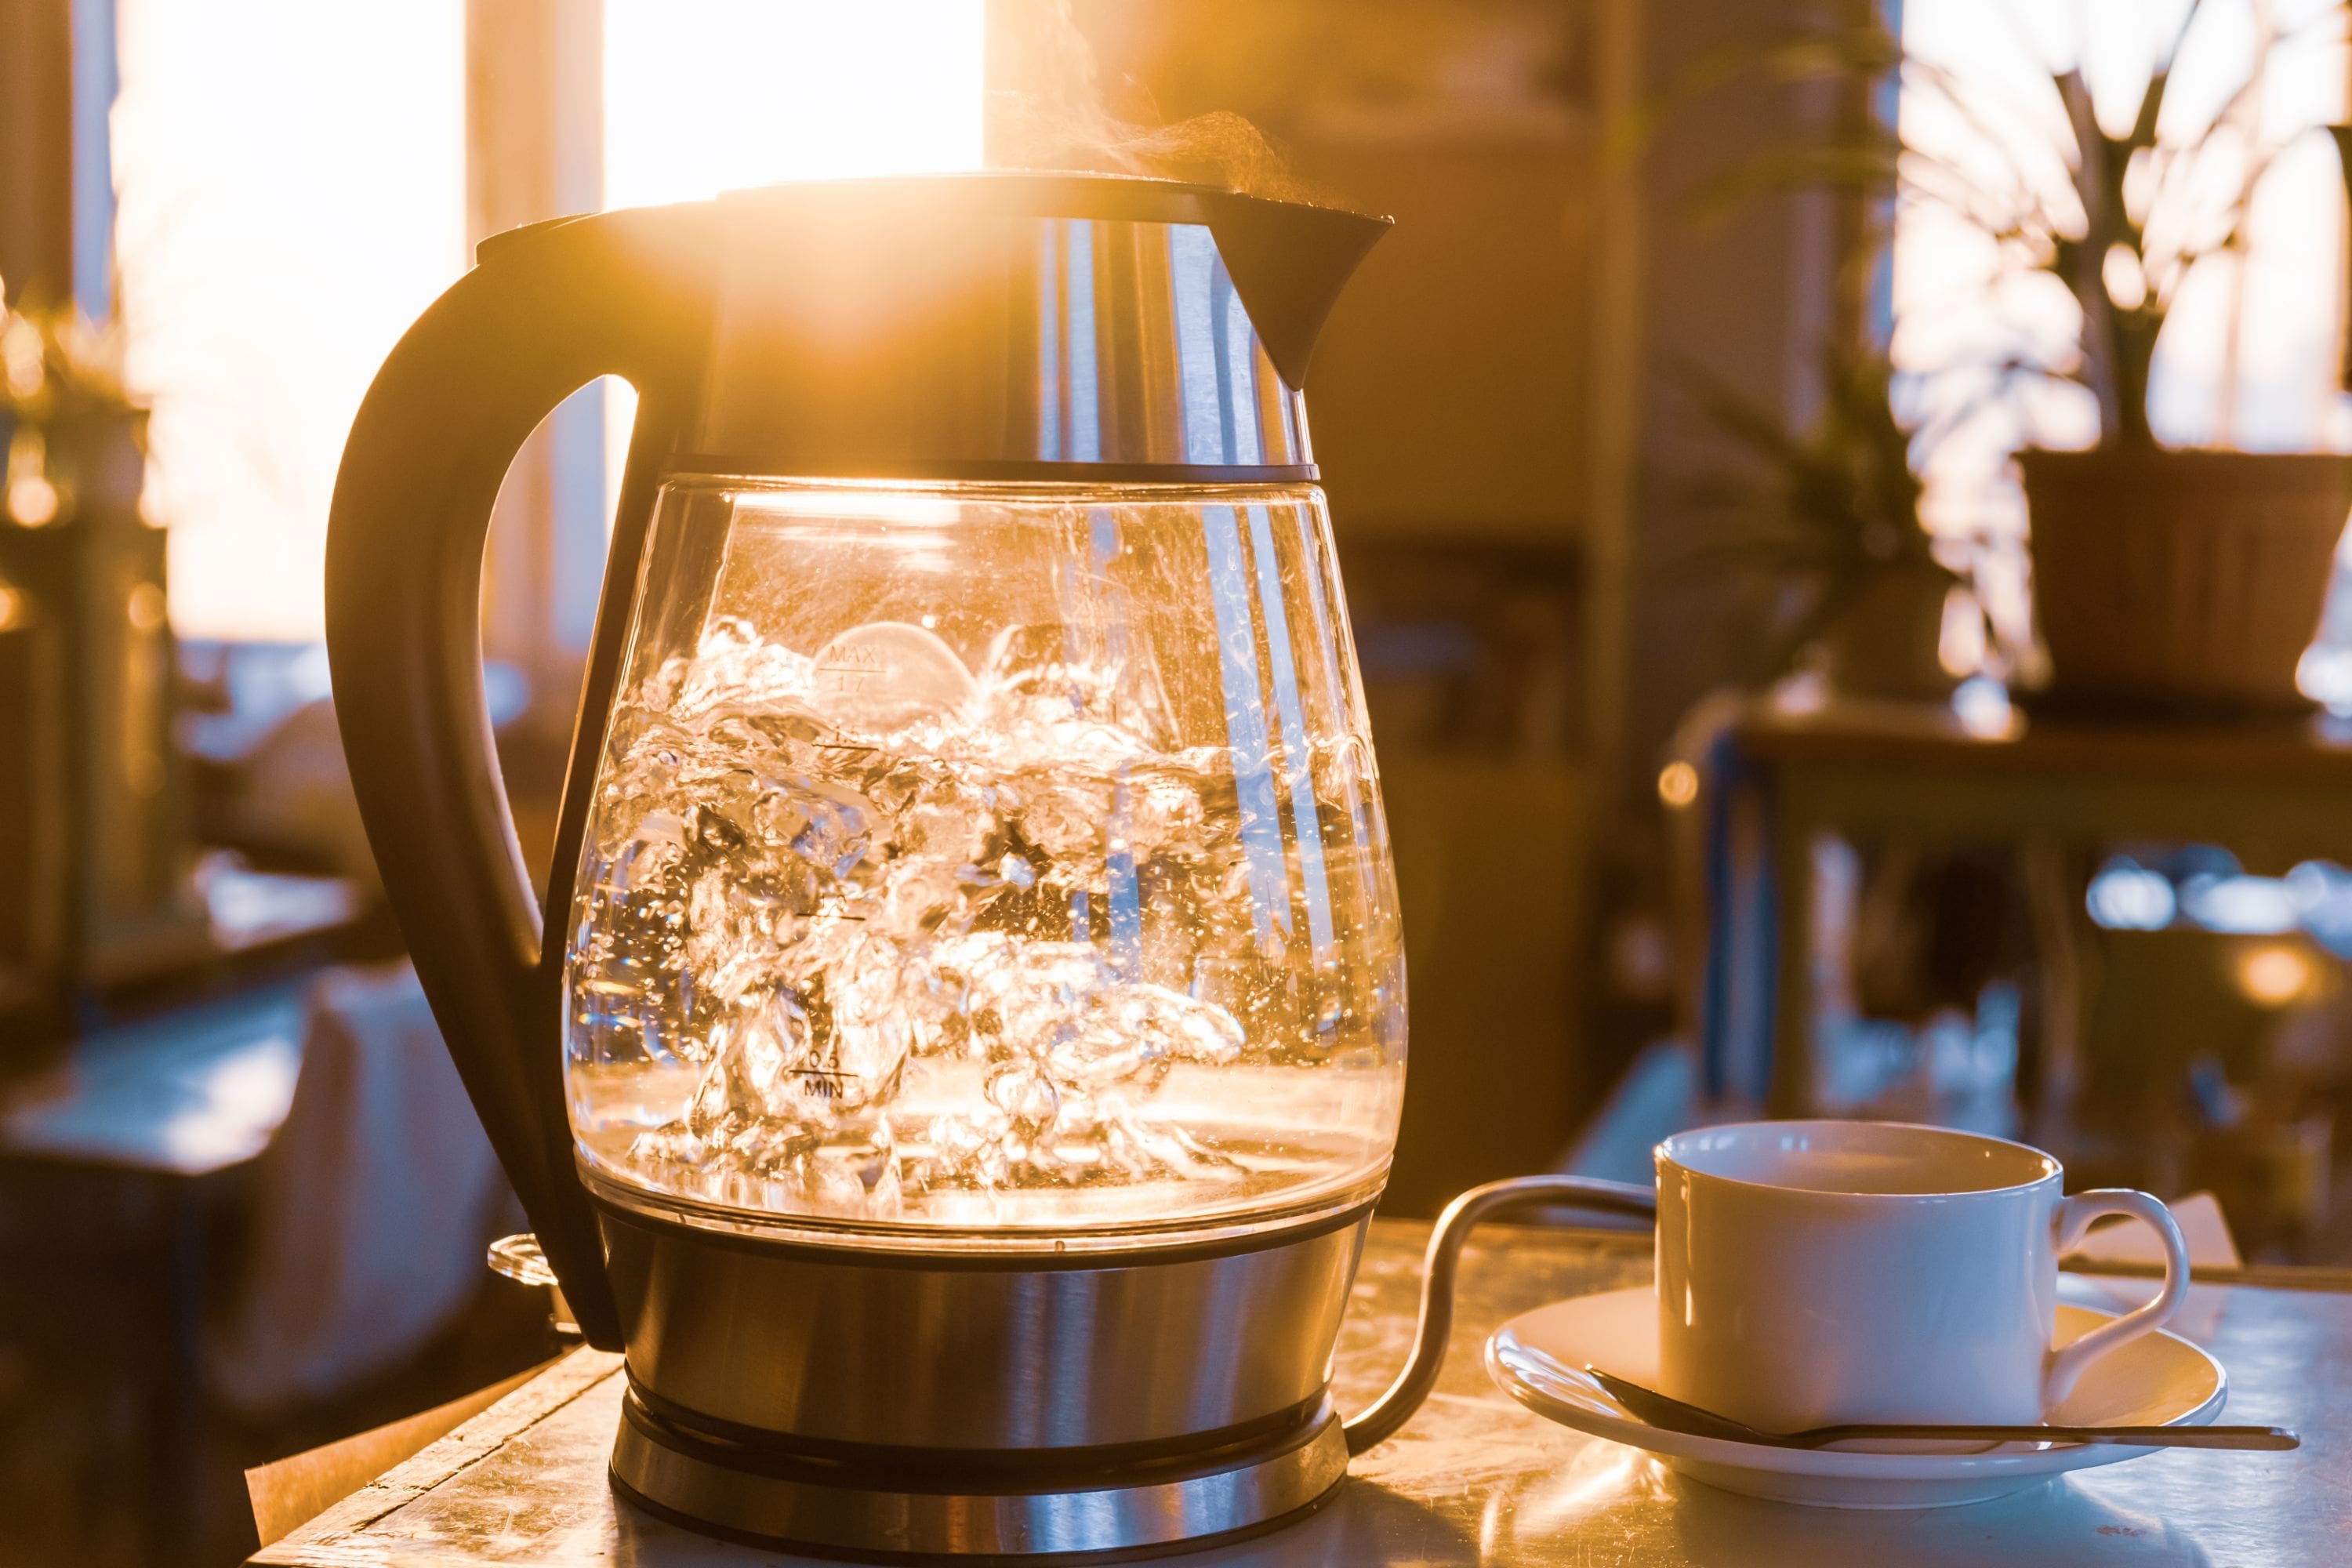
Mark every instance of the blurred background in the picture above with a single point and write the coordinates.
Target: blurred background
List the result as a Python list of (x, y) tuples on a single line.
[(1759, 731)]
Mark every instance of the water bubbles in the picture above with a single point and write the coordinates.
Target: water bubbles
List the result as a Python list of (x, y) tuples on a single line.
[(812, 878)]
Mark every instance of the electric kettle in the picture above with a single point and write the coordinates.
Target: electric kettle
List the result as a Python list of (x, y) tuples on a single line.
[(963, 1041)]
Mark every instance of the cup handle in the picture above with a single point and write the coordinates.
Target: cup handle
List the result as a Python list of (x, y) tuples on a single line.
[(2065, 1367)]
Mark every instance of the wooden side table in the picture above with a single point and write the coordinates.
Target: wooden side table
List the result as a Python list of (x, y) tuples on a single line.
[(1782, 774)]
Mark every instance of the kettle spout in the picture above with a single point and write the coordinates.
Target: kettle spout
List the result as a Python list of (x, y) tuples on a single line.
[(1288, 262)]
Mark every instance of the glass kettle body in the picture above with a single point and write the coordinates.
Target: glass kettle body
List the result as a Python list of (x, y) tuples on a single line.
[(996, 859)]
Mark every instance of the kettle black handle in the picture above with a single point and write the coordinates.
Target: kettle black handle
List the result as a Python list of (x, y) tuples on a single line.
[(547, 310)]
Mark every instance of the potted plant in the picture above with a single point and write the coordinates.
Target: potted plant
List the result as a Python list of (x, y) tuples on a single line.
[(2166, 580), (1820, 532)]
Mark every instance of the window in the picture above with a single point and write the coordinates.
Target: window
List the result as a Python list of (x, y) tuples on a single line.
[(292, 190)]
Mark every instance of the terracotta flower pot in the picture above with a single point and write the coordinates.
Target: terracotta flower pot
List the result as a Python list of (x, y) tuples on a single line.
[(2181, 581)]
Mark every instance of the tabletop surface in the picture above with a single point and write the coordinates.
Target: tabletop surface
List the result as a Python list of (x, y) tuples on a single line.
[(1474, 1478)]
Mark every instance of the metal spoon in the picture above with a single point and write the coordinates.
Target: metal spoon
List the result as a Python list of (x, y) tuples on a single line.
[(1673, 1415)]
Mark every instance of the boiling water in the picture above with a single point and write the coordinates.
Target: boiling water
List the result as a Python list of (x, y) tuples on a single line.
[(863, 933)]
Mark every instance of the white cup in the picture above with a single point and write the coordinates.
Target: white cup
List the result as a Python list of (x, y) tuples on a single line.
[(1813, 1273)]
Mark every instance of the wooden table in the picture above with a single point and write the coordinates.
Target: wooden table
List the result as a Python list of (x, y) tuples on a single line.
[(1780, 773), (1474, 1478)]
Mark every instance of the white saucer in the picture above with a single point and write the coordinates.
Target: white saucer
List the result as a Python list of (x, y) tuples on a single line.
[(1538, 1357)]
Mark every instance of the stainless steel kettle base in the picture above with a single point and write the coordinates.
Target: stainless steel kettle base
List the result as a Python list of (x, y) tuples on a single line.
[(1064, 1510)]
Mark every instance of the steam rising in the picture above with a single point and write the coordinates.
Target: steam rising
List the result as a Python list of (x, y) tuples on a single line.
[(1045, 111)]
